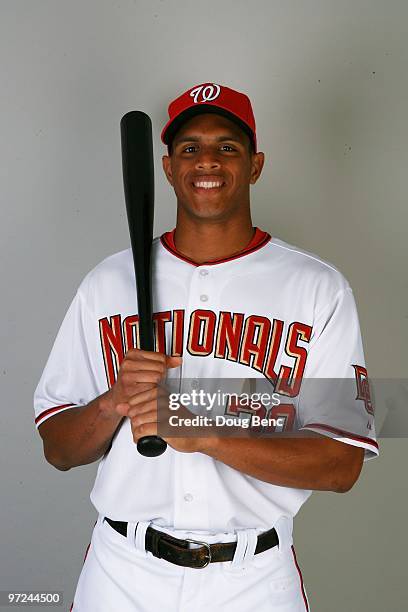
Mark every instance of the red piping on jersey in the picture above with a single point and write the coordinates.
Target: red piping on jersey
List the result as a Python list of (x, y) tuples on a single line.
[(87, 551), (86, 554), (259, 240), (342, 433), (302, 586), (51, 411)]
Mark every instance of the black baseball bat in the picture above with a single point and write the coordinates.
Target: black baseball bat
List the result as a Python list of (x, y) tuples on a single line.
[(138, 181)]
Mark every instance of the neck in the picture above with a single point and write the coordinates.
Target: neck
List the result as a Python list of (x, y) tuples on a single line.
[(203, 241)]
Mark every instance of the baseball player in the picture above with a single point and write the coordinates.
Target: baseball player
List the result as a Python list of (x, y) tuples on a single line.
[(208, 524)]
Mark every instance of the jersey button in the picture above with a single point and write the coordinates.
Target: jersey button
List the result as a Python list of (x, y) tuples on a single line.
[(203, 272), (204, 297), (188, 497)]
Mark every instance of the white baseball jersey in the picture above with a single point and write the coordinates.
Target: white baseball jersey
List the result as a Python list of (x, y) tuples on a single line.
[(273, 312)]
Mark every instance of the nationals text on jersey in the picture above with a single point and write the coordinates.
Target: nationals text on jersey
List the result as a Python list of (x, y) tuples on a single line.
[(254, 342)]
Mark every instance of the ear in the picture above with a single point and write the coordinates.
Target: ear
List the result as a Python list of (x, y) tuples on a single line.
[(257, 164), (166, 161)]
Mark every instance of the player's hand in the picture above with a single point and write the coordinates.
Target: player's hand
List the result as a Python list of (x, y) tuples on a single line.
[(140, 371), (144, 410)]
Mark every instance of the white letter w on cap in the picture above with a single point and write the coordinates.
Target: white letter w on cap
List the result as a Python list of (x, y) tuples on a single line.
[(205, 93)]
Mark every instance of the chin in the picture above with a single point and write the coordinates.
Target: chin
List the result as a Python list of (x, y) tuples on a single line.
[(206, 212)]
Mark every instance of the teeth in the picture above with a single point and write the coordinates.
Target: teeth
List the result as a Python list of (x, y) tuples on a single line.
[(207, 184)]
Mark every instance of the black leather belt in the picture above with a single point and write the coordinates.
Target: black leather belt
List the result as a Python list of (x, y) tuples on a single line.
[(174, 550)]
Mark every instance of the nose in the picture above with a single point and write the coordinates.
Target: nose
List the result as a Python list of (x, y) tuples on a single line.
[(207, 160)]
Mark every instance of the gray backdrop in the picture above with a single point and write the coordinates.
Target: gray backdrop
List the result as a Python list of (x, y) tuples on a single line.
[(329, 88)]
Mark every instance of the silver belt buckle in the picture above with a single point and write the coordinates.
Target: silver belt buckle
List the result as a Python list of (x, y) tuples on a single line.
[(207, 560)]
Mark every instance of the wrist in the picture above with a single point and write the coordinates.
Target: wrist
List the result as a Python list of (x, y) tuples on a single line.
[(208, 446), (107, 407)]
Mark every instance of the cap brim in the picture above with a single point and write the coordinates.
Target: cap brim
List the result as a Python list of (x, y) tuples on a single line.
[(172, 128)]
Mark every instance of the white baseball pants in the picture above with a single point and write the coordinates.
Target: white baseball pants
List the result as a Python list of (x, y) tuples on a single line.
[(118, 574)]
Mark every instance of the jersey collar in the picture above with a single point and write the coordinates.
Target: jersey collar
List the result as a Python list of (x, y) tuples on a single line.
[(259, 240)]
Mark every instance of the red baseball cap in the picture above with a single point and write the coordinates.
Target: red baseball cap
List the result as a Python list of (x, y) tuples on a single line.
[(210, 98)]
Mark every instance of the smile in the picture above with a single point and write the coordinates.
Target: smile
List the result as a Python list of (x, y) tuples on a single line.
[(208, 184)]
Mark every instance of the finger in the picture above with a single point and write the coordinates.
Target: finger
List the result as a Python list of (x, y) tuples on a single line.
[(173, 362), (138, 354), (134, 365), (129, 365), (142, 387), (124, 405), (145, 396), (148, 428), (145, 417), (131, 379), (156, 398), (142, 409)]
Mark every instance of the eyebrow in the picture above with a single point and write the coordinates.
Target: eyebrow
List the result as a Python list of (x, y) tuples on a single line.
[(197, 139)]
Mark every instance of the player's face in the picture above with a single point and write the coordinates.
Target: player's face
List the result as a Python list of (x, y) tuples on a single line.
[(211, 168)]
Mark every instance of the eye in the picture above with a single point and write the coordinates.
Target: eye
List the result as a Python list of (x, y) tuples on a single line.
[(227, 148), (190, 149)]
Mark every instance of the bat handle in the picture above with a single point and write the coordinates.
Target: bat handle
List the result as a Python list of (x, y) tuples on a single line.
[(151, 446)]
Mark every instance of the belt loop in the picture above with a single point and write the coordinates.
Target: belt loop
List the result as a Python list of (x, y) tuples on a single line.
[(242, 542), (252, 540), (247, 540), (100, 520), (284, 529), (130, 534), (140, 538)]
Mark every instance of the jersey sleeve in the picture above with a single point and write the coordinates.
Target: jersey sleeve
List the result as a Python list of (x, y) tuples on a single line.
[(334, 399), (68, 379)]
